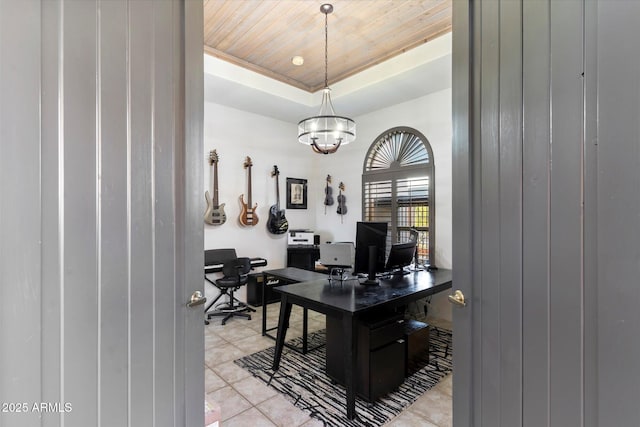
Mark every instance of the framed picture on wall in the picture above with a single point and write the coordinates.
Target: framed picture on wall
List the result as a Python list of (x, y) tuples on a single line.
[(296, 193)]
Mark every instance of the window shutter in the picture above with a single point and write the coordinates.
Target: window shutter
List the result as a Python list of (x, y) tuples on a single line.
[(412, 212), (377, 199), (397, 184)]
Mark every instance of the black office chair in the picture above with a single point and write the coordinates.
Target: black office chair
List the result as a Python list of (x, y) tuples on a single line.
[(235, 274), (413, 237)]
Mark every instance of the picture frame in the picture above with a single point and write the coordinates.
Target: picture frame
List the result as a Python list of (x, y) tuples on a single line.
[(296, 193)]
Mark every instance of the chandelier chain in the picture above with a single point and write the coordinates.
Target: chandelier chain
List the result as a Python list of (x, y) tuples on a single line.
[(326, 51)]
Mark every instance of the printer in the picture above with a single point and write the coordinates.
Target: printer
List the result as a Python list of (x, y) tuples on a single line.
[(300, 237)]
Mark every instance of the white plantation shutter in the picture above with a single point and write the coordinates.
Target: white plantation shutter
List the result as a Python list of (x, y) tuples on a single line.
[(397, 187), (377, 204)]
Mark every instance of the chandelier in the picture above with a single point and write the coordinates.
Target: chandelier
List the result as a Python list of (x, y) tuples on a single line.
[(326, 131)]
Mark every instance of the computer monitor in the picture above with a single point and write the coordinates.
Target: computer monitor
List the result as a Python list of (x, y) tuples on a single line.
[(400, 256), (371, 238)]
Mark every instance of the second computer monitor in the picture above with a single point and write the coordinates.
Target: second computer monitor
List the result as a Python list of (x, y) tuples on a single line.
[(400, 256)]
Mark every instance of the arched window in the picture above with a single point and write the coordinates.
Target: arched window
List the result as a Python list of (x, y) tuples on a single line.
[(398, 188)]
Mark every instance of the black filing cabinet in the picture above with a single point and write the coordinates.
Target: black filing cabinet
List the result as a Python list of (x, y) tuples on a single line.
[(303, 256), (381, 354), (416, 335)]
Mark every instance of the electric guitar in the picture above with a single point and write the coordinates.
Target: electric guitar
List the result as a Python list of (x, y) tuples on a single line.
[(214, 214), (248, 216), (277, 223)]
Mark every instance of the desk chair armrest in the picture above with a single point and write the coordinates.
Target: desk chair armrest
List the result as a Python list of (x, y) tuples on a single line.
[(244, 266)]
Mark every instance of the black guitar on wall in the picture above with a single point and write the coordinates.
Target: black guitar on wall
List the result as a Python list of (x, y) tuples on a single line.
[(277, 223)]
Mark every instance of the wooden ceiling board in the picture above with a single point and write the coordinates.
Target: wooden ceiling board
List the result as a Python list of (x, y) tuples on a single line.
[(270, 44), (402, 39), (263, 35)]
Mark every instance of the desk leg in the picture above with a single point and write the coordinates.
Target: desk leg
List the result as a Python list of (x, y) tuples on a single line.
[(350, 357), (283, 324), (305, 325), (264, 305)]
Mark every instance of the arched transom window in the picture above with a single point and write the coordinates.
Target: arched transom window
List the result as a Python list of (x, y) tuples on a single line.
[(398, 188)]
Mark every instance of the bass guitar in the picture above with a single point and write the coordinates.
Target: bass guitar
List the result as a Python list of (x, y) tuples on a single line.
[(277, 223), (248, 216), (342, 199), (214, 214), (328, 198)]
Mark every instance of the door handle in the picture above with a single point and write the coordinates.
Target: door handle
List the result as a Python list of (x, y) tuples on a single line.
[(457, 298), (196, 299)]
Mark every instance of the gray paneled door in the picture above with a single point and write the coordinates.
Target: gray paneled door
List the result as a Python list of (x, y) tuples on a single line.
[(546, 158), (101, 106)]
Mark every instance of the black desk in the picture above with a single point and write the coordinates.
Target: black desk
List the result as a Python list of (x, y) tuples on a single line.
[(349, 300), (271, 279)]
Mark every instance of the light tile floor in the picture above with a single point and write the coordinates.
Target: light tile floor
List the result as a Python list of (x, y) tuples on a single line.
[(244, 400)]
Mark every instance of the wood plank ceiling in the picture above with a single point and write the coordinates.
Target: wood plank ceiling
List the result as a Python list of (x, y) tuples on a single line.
[(263, 35)]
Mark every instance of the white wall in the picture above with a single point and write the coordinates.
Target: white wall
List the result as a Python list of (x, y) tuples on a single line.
[(237, 134)]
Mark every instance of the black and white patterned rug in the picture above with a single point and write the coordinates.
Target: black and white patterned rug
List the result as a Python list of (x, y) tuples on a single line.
[(302, 380)]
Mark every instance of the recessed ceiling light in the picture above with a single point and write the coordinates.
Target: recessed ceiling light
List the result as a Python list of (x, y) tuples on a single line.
[(297, 60)]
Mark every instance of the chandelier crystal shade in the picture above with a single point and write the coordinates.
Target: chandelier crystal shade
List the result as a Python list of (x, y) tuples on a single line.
[(326, 132)]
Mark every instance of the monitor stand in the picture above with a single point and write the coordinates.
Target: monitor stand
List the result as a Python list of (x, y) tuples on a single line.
[(373, 256), (399, 272), (337, 273)]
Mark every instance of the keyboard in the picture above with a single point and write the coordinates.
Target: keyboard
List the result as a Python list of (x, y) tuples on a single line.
[(216, 268)]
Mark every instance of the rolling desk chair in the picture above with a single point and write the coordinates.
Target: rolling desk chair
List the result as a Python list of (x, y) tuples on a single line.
[(413, 238), (413, 233), (235, 274)]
